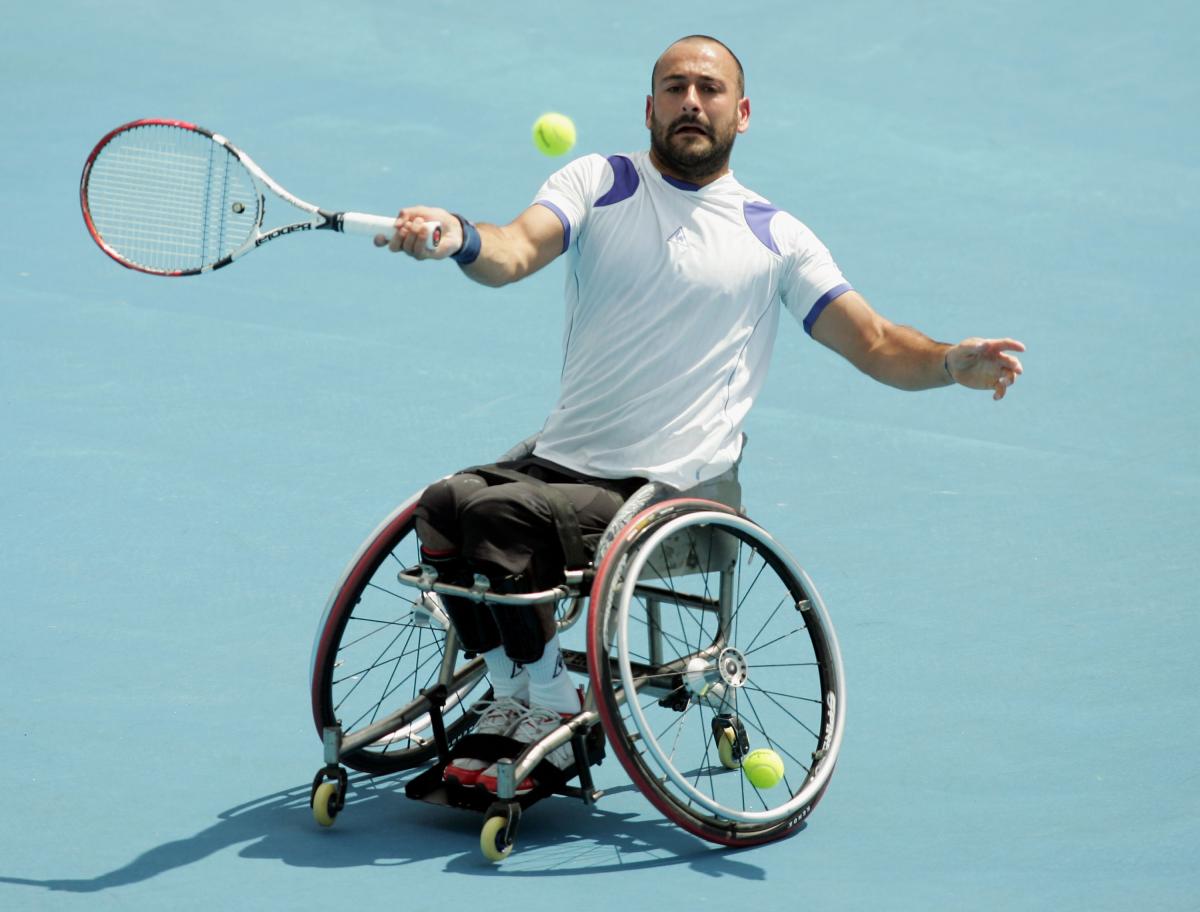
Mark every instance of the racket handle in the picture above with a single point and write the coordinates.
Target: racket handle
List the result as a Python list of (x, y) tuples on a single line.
[(361, 223)]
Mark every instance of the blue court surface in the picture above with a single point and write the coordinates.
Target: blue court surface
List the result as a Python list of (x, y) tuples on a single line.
[(188, 464)]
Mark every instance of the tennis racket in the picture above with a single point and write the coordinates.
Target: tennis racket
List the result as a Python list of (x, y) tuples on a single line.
[(170, 198)]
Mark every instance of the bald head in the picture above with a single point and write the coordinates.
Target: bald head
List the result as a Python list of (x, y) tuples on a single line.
[(719, 50)]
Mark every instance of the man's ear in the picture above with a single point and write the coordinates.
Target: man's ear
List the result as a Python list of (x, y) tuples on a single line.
[(743, 115)]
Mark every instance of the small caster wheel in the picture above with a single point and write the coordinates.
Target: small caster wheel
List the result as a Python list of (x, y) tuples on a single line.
[(326, 803), (725, 749), (499, 833), (732, 743)]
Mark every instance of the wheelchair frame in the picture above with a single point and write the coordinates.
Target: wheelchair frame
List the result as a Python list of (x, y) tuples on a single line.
[(645, 636)]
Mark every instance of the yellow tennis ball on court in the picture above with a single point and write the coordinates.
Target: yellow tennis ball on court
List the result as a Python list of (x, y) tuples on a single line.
[(553, 133), (763, 767)]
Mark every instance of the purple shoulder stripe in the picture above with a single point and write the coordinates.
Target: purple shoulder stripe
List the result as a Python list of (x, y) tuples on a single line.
[(822, 303), (758, 217), (566, 223), (625, 181)]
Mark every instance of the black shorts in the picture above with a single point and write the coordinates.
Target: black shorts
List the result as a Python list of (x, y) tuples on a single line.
[(506, 528)]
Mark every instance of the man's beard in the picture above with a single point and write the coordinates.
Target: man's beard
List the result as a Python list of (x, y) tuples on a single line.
[(678, 153)]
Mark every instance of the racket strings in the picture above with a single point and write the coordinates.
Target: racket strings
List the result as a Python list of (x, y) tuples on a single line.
[(169, 199)]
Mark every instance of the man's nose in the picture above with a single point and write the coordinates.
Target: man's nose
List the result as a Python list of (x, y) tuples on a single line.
[(691, 99)]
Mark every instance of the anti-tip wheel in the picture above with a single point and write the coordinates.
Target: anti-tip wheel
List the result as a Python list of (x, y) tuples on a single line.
[(494, 841), (325, 803)]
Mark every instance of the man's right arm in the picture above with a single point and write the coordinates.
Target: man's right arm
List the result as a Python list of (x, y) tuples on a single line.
[(506, 253)]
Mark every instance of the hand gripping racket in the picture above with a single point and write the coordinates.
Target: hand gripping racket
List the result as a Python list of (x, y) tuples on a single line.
[(173, 199)]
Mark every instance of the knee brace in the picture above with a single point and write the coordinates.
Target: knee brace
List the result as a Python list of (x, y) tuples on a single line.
[(474, 623), (521, 631), (521, 628)]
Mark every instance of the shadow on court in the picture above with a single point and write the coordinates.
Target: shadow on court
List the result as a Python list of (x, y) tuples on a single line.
[(380, 827)]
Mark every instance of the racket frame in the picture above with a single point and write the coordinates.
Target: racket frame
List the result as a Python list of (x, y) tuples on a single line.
[(317, 218)]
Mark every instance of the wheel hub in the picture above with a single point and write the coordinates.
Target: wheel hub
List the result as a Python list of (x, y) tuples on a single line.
[(705, 677), (733, 667)]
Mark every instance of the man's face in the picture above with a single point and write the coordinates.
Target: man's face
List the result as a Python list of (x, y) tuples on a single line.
[(695, 112)]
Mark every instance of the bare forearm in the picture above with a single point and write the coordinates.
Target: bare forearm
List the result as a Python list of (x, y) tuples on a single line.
[(902, 357), (910, 360), (905, 358), (488, 254), (500, 261)]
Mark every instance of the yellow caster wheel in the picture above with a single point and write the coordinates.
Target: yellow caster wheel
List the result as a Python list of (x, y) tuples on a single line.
[(326, 803), (725, 743), (499, 834)]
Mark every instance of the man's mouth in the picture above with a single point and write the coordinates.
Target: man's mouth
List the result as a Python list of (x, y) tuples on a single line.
[(690, 129)]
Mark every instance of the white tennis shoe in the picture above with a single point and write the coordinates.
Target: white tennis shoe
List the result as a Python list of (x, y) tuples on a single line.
[(500, 718), (535, 724)]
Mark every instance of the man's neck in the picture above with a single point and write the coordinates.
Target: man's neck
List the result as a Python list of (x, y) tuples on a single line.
[(703, 181)]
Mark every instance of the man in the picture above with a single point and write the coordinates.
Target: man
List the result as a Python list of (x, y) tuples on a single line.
[(675, 277)]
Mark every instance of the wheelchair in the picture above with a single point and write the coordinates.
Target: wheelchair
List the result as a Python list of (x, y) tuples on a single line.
[(705, 641)]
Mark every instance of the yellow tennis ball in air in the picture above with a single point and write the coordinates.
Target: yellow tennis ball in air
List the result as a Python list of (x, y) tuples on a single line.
[(553, 134), (763, 767)]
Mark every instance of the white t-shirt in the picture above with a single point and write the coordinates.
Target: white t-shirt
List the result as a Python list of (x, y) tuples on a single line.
[(672, 295)]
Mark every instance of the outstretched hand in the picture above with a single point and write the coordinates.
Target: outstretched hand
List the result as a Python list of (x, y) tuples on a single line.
[(411, 230), (985, 364)]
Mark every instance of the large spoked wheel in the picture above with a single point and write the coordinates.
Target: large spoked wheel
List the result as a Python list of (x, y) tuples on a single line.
[(707, 641), (379, 645)]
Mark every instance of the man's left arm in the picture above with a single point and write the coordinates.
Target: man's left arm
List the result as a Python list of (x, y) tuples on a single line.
[(902, 357)]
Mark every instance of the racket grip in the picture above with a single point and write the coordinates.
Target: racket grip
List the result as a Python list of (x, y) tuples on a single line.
[(371, 225)]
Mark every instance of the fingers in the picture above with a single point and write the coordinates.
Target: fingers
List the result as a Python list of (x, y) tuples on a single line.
[(1006, 379), (1010, 366), (1010, 363), (999, 345), (412, 231), (987, 364), (998, 349), (408, 232), (1001, 388)]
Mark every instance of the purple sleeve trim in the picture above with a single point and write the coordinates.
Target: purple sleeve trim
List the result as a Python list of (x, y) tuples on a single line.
[(822, 303), (566, 223), (625, 181)]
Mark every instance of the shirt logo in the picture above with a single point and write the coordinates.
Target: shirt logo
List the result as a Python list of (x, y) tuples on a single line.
[(678, 237)]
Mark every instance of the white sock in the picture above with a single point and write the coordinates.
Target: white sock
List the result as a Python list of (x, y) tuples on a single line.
[(550, 685), (508, 678)]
